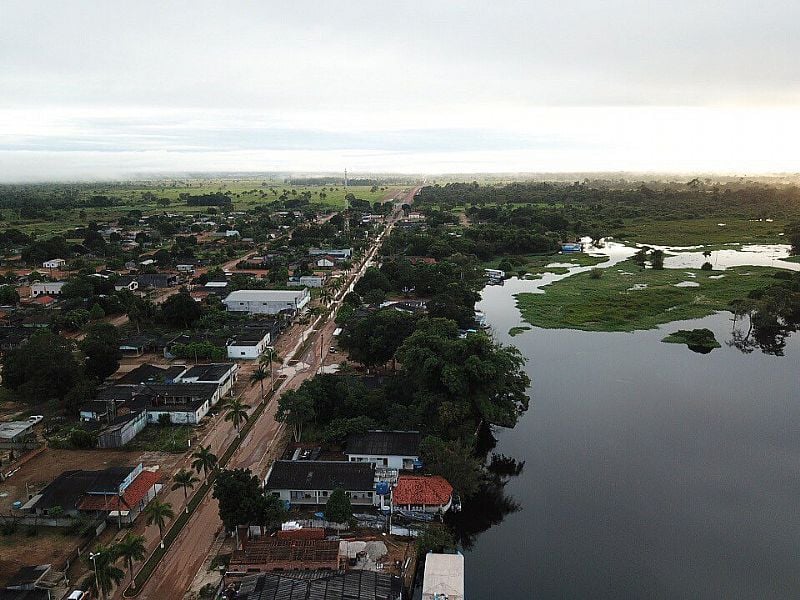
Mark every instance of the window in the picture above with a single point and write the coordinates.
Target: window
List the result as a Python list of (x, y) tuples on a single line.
[(325, 492)]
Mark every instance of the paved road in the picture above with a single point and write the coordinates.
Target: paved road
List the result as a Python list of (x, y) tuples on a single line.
[(264, 442)]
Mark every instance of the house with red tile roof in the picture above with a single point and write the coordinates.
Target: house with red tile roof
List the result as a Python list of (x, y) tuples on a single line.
[(422, 493)]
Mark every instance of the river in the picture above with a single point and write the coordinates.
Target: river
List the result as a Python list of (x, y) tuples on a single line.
[(650, 471)]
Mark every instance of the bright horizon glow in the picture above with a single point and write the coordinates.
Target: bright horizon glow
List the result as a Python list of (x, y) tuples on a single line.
[(692, 87)]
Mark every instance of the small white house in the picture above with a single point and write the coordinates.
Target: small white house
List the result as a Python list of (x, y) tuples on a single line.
[(248, 346), (126, 283), (389, 449), (54, 263), (232, 233), (311, 281), (47, 288), (324, 263)]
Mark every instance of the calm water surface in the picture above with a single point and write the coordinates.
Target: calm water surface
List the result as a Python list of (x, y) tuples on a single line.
[(651, 471)]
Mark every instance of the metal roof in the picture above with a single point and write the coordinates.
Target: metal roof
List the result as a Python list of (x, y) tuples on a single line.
[(320, 475), (266, 295), (385, 443), (321, 585)]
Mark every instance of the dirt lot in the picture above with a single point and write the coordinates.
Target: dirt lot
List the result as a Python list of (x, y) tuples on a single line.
[(42, 469), (48, 546)]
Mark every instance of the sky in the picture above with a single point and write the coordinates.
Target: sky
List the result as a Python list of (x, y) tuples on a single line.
[(108, 89)]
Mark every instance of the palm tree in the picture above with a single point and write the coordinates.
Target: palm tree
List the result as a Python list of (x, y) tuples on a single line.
[(131, 548), (258, 376), (270, 356), (237, 414), (158, 512), (106, 574), (204, 460), (325, 296), (186, 480)]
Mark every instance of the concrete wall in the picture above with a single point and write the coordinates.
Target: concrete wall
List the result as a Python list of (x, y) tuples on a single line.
[(390, 462)]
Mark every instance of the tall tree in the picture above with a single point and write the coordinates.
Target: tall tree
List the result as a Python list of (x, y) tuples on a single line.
[(338, 507), (374, 339), (43, 368), (181, 310), (295, 408), (130, 549), (101, 347), (237, 414), (204, 460), (186, 480), (240, 497), (106, 574), (258, 376), (159, 512)]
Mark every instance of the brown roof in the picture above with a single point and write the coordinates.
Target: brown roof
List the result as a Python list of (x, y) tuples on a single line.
[(430, 490)]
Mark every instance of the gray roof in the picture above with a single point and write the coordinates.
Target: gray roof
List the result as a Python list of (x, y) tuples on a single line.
[(147, 373), (266, 295), (320, 585), (211, 372), (320, 475), (385, 443), (68, 489)]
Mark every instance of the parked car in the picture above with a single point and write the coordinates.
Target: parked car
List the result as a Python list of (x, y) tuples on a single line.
[(36, 419), (78, 595)]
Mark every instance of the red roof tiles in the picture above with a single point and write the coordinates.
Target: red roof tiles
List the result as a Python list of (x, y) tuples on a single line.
[(414, 489), (134, 493)]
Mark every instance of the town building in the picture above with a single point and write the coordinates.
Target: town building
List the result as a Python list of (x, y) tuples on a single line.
[(122, 430), (54, 263), (337, 253), (126, 283), (47, 288), (157, 280), (311, 281), (183, 403), (318, 585), (223, 375), (444, 577), (311, 482), (249, 344), (422, 493), (267, 302), (115, 492), (390, 449)]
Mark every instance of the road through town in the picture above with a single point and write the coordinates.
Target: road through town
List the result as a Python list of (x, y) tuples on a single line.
[(262, 444)]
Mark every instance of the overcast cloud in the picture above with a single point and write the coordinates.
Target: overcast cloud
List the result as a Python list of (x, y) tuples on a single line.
[(99, 89)]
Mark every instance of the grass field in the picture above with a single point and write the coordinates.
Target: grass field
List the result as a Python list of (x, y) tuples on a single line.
[(157, 438), (246, 195), (692, 232), (611, 304), (795, 259)]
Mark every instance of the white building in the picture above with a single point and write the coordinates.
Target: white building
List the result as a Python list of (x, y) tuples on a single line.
[(444, 577), (311, 281), (311, 482), (223, 375), (390, 449), (248, 345), (267, 302), (54, 263), (324, 263), (47, 288)]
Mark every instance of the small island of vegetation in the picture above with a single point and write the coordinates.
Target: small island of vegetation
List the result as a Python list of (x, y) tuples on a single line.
[(701, 341)]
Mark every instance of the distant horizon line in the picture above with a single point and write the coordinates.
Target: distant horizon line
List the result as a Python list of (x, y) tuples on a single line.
[(540, 175)]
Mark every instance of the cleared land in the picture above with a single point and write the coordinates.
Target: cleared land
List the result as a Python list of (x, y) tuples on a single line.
[(245, 194), (627, 298)]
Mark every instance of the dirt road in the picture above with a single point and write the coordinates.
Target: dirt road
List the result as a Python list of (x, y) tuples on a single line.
[(263, 443)]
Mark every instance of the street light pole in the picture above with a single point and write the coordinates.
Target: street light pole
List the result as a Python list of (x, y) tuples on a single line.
[(93, 557)]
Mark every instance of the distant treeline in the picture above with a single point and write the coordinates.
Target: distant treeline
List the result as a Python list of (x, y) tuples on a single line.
[(584, 209)]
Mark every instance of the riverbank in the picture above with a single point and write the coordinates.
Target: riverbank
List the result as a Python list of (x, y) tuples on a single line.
[(627, 298)]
